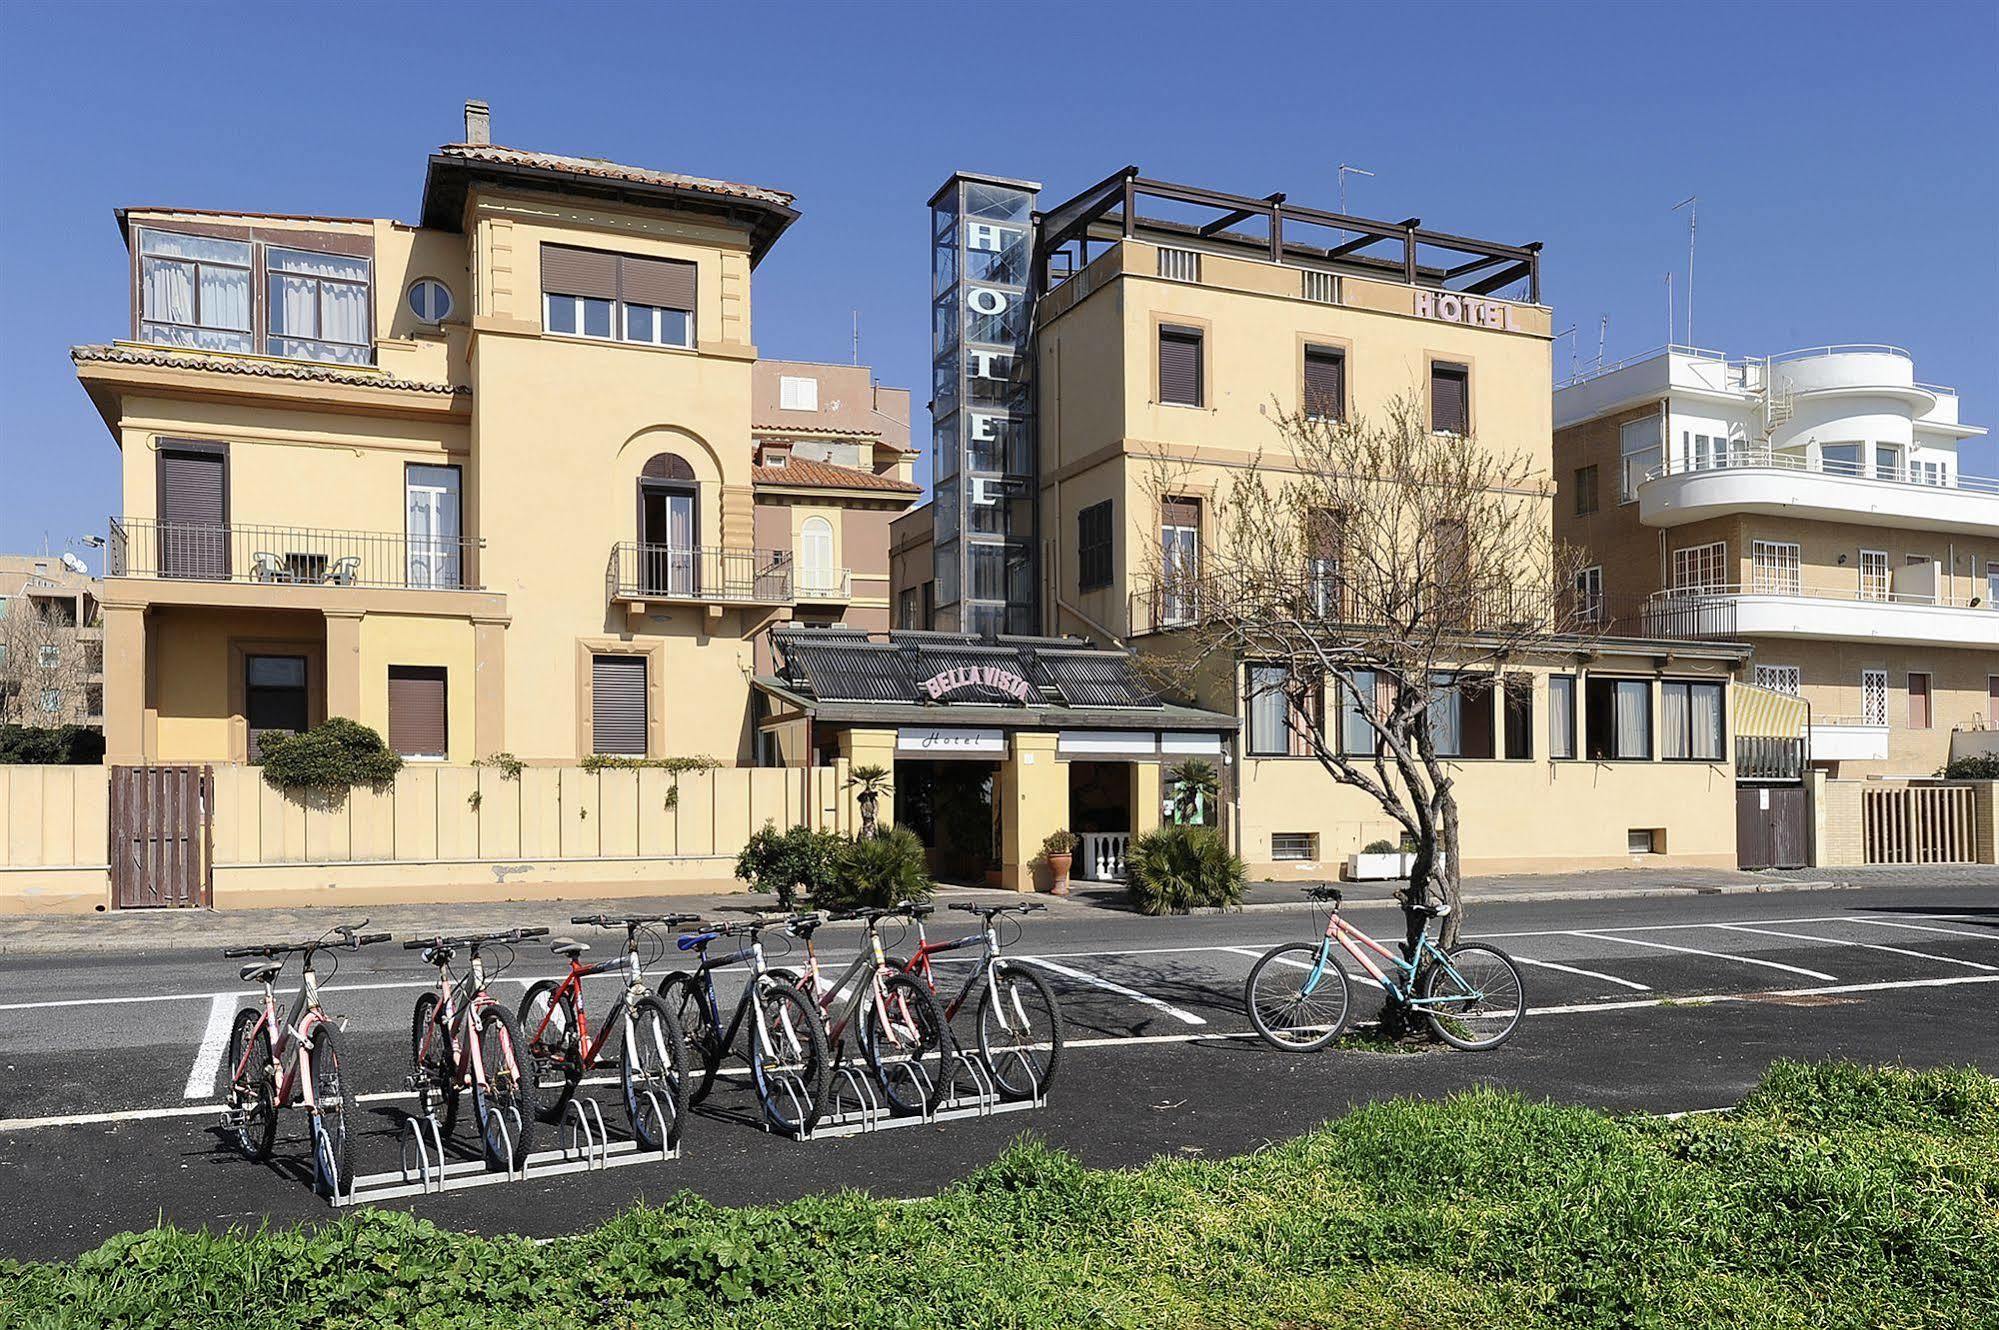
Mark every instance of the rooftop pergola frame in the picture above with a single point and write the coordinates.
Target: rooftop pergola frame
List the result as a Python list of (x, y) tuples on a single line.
[(1125, 205)]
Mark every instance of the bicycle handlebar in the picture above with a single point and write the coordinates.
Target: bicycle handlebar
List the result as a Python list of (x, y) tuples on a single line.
[(629, 921), (508, 938), (970, 907), (350, 938)]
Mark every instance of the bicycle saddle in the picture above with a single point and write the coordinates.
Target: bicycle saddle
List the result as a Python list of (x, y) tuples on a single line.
[(569, 947), (805, 925), (261, 972), (1429, 911)]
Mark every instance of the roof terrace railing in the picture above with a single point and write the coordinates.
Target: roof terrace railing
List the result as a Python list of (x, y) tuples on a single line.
[(1751, 457)]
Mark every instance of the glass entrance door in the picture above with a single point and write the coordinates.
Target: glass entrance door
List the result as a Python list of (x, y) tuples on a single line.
[(433, 526), (669, 562)]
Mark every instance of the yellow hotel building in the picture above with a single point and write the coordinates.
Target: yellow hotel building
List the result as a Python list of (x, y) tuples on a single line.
[(510, 478)]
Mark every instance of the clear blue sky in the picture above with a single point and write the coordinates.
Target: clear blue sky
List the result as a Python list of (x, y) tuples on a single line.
[(1846, 155)]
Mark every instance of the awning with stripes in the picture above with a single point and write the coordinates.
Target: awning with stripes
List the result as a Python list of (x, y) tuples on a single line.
[(1767, 713)]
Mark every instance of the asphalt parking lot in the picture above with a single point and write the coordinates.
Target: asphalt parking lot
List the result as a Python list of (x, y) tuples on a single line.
[(112, 1063)]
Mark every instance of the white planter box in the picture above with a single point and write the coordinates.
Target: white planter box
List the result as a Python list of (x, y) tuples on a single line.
[(1409, 864), (1375, 867)]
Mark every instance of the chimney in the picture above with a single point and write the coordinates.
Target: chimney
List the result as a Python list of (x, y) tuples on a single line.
[(478, 122)]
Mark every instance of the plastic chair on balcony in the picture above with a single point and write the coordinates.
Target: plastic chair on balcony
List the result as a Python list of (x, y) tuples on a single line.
[(267, 567), (345, 571)]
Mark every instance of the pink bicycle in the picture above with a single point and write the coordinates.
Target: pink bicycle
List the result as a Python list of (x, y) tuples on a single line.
[(461, 1036), (271, 1059)]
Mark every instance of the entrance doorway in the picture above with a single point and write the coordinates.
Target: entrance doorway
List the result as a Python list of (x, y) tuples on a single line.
[(1100, 814), (950, 807)]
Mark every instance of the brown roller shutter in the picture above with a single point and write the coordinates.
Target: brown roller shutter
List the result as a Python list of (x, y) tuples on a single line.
[(194, 511), (618, 704), (1180, 512), (579, 272), (416, 711), (667, 283), (1325, 383), (1449, 392), (1180, 365)]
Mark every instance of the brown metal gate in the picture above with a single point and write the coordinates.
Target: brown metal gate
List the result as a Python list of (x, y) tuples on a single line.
[(161, 841), (1772, 826)]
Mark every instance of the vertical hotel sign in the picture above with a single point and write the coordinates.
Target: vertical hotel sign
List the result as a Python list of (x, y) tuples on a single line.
[(983, 463)]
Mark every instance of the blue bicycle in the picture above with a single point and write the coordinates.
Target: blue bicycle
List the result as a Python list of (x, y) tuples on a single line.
[(1297, 995)]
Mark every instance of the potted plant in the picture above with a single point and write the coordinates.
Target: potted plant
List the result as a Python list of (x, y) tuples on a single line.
[(1378, 861), (1060, 852)]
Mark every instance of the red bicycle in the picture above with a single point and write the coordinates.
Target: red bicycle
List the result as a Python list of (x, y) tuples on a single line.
[(654, 1060), (461, 1036), (1019, 1022), (271, 1060)]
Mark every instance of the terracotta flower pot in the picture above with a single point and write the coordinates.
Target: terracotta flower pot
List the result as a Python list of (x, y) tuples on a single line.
[(1058, 871)]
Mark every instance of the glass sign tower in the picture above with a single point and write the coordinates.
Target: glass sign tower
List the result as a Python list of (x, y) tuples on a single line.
[(983, 457)]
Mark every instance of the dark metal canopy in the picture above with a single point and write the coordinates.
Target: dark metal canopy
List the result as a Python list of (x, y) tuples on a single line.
[(953, 669)]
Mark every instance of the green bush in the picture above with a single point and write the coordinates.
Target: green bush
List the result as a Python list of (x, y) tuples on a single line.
[(1378, 847), (51, 746), (1835, 1196), (1175, 869), (1983, 767), (790, 863), (624, 762), (332, 757), (887, 868)]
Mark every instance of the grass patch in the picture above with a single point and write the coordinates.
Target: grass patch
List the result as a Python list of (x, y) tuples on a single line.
[(1836, 1196)]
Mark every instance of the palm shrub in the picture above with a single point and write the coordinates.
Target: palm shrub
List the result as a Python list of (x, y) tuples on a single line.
[(872, 782), (884, 869), (1196, 789), (1175, 869)]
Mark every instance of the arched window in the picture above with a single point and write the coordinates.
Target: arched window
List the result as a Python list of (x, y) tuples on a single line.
[(815, 555), (669, 526)]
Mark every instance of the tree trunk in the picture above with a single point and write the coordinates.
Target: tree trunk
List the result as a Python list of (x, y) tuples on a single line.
[(868, 801)]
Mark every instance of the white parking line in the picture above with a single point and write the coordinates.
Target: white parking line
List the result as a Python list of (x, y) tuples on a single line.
[(1143, 999), (1631, 984), (208, 1057), (1717, 955), (1871, 946), (1924, 928)]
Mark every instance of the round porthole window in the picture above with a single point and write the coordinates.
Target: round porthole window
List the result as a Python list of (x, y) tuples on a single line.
[(430, 301)]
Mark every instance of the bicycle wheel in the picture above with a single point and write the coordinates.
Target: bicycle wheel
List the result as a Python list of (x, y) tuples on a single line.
[(253, 1098), (899, 1037), (548, 1024), (333, 1151), (789, 1060), (683, 997), (1477, 999), (655, 1069), (436, 1070), (1020, 1030), (505, 1093), (1290, 1009)]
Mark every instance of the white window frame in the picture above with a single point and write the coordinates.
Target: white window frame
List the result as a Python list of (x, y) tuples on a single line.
[(1874, 577), (797, 392), (816, 556), (1653, 446), (330, 352), (239, 339), (51, 700), (1589, 588), (1294, 840), (430, 300), (576, 303), (1775, 568), (1874, 697), (1779, 678), (1701, 567), (622, 325)]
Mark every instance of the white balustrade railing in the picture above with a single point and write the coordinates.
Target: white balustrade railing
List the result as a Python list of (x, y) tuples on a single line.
[(1100, 856)]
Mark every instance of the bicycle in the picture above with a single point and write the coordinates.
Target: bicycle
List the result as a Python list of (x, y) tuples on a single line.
[(1469, 983), (653, 1066), (1018, 1019), (270, 1060), (449, 1058), (788, 1055), (896, 1019)]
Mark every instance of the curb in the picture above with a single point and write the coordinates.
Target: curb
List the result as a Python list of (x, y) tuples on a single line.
[(206, 940)]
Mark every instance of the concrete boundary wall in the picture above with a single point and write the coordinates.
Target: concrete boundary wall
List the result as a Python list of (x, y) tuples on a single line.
[(439, 833)]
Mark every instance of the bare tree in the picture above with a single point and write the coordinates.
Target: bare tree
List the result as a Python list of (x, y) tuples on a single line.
[(41, 661), (1391, 568)]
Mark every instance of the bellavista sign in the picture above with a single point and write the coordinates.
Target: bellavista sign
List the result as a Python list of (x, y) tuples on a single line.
[(977, 676)]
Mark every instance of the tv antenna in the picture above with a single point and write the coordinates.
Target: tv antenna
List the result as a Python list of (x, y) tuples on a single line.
[(1692, 204)]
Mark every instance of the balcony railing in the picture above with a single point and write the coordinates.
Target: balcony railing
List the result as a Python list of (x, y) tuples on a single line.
[(1780, 586), (1755, 456), (699, 574), (825, 585), (290, 556), (1767, 757), (1318, 601)]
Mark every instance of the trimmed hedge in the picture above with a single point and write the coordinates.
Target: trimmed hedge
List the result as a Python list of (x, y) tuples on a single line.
[(1836, 1196), (51, 746)]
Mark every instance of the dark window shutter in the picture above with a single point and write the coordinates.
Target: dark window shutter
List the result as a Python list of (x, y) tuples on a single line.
[(193, 510), (416, 711), (1093, 541), (1450, 408), (1180, 512), (1325, 383), (667, 283), (579, 272), (618, 704), (1180, 365)]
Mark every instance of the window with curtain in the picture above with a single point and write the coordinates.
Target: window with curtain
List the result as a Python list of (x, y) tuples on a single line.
[(1269, 735), (1461, 715), (1617, 720), (1690, 719), (1357, 736), (815, 555), (1562, 716), (1517, 702), (317, 306), (194, 291)]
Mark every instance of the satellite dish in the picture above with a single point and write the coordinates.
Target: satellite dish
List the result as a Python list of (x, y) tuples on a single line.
[(74, 564)]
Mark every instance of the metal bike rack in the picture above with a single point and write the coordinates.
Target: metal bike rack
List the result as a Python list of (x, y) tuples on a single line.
[(981, 1100), (586, 1147)]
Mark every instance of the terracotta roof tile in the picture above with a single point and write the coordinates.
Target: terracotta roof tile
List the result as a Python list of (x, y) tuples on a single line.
[(825, 475), (595, 166), (814, 431), (266, 369)]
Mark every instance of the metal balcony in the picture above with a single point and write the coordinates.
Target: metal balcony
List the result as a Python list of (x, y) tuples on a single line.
[(698, 575), (290, 556)]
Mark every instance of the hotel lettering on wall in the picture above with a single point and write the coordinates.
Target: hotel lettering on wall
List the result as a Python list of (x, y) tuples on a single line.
[(982, 405), (1450, 307)]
